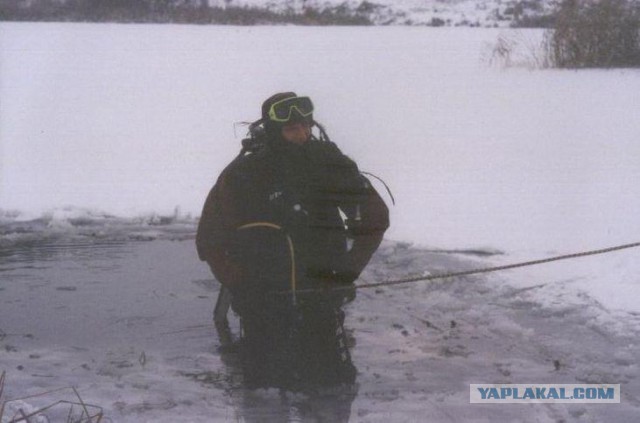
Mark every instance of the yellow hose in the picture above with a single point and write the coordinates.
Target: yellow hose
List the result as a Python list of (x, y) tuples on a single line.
[(291, 250)]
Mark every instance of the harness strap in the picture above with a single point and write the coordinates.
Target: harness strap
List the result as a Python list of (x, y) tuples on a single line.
[(291, 251)]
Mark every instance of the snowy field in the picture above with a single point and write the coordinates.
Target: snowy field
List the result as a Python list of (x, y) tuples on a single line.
[(112, 135)]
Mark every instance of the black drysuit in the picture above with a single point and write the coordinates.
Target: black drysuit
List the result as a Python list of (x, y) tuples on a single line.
[(287, 218)]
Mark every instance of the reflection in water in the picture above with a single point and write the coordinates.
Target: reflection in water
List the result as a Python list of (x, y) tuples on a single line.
[(31, 251), (273, 405), (26, 253)]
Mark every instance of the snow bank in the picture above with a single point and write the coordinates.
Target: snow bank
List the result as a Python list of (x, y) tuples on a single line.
[(75, 224)]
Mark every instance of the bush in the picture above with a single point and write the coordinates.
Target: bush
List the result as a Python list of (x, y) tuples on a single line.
[(516, 48), (595, 34)]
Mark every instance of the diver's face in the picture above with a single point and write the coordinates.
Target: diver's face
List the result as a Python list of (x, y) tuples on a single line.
[(296, 133)]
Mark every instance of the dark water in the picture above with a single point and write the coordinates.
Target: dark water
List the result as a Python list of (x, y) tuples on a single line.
[(108, 302)]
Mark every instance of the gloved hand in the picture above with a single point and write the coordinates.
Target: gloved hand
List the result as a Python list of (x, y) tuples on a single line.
[(345, 277), (329, 275), (342, 290)]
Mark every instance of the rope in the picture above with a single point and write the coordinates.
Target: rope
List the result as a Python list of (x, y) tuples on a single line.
[(411, 279)]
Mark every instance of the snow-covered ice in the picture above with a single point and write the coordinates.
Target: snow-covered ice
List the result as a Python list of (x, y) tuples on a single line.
[(111, 136)]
